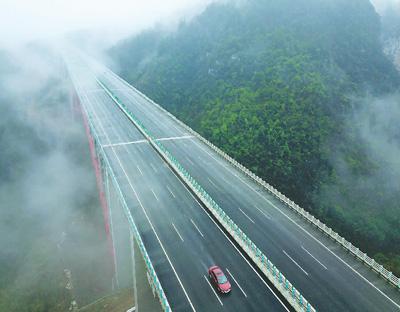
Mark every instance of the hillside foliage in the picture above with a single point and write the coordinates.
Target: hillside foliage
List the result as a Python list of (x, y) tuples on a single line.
[(281, 86)]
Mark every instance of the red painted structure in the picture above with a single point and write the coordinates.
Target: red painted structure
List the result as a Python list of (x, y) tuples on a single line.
[(99, 181)]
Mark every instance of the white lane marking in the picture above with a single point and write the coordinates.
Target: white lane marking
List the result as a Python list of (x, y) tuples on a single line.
[(233, 245), (189, 160), (213, 290), (173, 195), (146, 215), (198, 230), (94, 90), (154, 168), (264, 213), (154, 194), (132, 93), (176, 138), (139, 169), (176, 128), (212, 182), (176, 230), (125, 143), (234, 279), (314, 257), (303, 229), (295, 262), (338, 257), (251, 220)]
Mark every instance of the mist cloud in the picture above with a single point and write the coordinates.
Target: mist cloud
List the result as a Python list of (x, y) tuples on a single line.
[(382, 5), (22, 21), (47, 184)]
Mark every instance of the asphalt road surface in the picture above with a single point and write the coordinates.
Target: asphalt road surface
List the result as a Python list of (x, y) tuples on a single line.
[(181, 239), (326, 275)]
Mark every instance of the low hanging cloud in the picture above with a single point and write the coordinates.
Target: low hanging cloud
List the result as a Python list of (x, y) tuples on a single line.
[(22, 21), (382, 5)]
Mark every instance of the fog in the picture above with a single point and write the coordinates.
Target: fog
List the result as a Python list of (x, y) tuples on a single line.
[(106, 21), (22, 21), (45, 170), (382, 5), (47, 186), (50, 217)]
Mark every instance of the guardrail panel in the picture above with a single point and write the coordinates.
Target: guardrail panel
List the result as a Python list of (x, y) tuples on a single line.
[(298, 302)]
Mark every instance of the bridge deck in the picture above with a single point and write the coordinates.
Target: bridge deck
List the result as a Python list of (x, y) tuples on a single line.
[(180, 237), (329, 277)]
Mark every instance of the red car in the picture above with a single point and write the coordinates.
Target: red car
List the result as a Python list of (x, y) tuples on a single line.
[(219, 279)]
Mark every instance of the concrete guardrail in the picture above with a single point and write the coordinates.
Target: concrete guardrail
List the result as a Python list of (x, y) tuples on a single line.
[(362, 256), (153, 275), (284, 286)]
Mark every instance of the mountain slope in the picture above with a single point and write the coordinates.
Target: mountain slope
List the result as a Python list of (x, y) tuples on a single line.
[(286, 88)]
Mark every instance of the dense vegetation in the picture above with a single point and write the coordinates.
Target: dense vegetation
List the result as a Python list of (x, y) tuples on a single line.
[(289, 88), (49, 213)]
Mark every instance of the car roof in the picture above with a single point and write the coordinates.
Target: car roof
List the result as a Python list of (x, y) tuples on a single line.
[(218, 271)]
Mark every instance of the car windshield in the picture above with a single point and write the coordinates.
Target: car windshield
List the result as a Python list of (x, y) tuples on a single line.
[(221, 279)]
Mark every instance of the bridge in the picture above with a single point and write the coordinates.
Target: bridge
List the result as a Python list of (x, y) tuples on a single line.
[(188, 205)]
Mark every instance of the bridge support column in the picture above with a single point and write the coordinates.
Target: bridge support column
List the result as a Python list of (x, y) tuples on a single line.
[(110, 205), (119, 230), (146, 299), (119, 233), (133, 253)]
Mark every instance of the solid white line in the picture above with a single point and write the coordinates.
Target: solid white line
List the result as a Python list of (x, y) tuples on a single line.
[(196, 228), (125, 143), (154, 194), (300, 227), (139, 170), (211, 182), (233, 245), (213, 290), (314, 257), (295, 262), (246, 216), (94, 90), (171, 192), (236, 282), (147, 217), (264, 213), (190, 160), (176, 230), (176, 128), (154, 168), (176, 138), (118, 89), (136, 99)]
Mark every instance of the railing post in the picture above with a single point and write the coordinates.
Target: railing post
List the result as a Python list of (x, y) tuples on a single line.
[(110, 212), (132, 243)]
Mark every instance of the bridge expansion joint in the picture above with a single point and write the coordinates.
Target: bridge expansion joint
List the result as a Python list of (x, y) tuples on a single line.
[(271, 272)]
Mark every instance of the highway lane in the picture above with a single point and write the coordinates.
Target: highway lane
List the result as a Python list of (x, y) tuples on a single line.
[(159, 260), (292, 248), (151, 165), (304, 260), (175, 214)]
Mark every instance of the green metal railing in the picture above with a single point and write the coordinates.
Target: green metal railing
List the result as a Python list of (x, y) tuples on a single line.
[(286, 288), (154, 278), (362, 256)]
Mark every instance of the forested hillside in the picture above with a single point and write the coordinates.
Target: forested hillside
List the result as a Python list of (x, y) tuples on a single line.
[(298, 91), (391, 33)]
